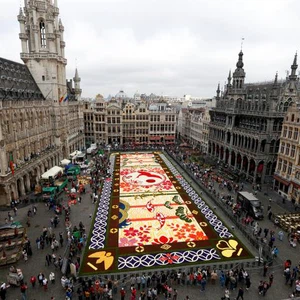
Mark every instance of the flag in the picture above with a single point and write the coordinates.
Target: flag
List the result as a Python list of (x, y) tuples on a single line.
[(61, 98), (66, 98), (12, 167)]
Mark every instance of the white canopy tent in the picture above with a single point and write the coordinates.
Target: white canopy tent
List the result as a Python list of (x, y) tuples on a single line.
[(65, 162), (52, 172), (75, 153)]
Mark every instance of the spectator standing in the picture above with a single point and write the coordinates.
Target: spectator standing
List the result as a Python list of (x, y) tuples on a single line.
[(24, 291)]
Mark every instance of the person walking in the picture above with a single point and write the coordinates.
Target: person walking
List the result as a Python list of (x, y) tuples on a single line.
[(226, 294), (240, 294)]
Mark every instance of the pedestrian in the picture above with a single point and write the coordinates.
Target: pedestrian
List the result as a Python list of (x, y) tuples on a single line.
[(248, 282), (271, 279), (40, 278), (24, 291), (38, 243), (122, 293), (280, 235), (203, 284), (265, 269), (25, 255), (240, 294), (45, 284), (226, 294), (15, 211), (33, 281), (52, 277), (3, 289)]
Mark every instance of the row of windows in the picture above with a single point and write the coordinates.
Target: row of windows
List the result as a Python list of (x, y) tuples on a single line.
[(162, 127), (283, 165), (289, 133), (285, 149)]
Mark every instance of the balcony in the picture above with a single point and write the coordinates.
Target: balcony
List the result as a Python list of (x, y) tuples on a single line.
[(22, 167)]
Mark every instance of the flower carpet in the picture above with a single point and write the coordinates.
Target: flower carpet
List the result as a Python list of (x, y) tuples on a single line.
[(150, 217)]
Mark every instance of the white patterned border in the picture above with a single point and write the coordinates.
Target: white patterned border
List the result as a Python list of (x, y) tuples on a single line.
[(100, 225), (203, 207), (164, 259)]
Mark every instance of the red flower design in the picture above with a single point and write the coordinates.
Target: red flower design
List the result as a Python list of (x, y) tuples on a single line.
[(198, 236), (189, 227), (170, 258), (175, 227), (144, 238), (180, 235), (163, 240), (126, 187), (167, 185), (131, 232)]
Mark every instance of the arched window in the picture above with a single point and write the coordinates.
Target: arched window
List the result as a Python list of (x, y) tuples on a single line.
[(43, 34)]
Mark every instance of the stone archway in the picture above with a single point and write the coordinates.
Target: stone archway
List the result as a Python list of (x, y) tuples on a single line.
[(26, 181), (238, 161), (222, 152), (4, 197), (259, 172), (252, 167), (226, 156), (245, 164), (20, 187), (232, 162)]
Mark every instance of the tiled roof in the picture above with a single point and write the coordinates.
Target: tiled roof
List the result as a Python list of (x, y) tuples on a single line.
[(17, 83)]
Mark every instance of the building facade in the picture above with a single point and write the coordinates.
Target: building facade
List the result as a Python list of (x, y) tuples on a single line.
[(246, 124), (193, 126), (287, 175), (41, 117), (129, 122)]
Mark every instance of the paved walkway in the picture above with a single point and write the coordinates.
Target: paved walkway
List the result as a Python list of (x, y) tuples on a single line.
[(81, 212)]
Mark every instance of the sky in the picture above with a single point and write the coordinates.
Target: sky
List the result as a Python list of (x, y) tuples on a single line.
[(167, 47)]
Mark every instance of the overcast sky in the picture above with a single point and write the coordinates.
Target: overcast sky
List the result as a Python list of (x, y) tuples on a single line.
[(170, 47)]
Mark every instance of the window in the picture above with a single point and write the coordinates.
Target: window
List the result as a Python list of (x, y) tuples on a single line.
[(293, 151), (296, 134), (287, 149), (289, 169), (279, 164), (284, 166), (282, 147), (290, 132), (293, 118), (284, 131), (43, 34)]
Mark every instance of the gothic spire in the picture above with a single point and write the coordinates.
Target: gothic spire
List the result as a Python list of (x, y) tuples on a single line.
[(229, 78), (76, 78), (294, 67), (276, 79), (218, 91)]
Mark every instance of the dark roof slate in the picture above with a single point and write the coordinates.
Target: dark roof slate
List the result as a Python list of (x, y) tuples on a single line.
[(17, 83)]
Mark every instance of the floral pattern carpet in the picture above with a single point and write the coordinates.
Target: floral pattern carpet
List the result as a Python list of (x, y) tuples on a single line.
[(150, 217)]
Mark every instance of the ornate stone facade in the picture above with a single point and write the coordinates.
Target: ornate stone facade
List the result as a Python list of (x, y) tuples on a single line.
[(247, 121), (287, 175), (121, 122), (37, 128)]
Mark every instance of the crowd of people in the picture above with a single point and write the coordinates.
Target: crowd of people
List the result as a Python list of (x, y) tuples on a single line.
[(54, 236)]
